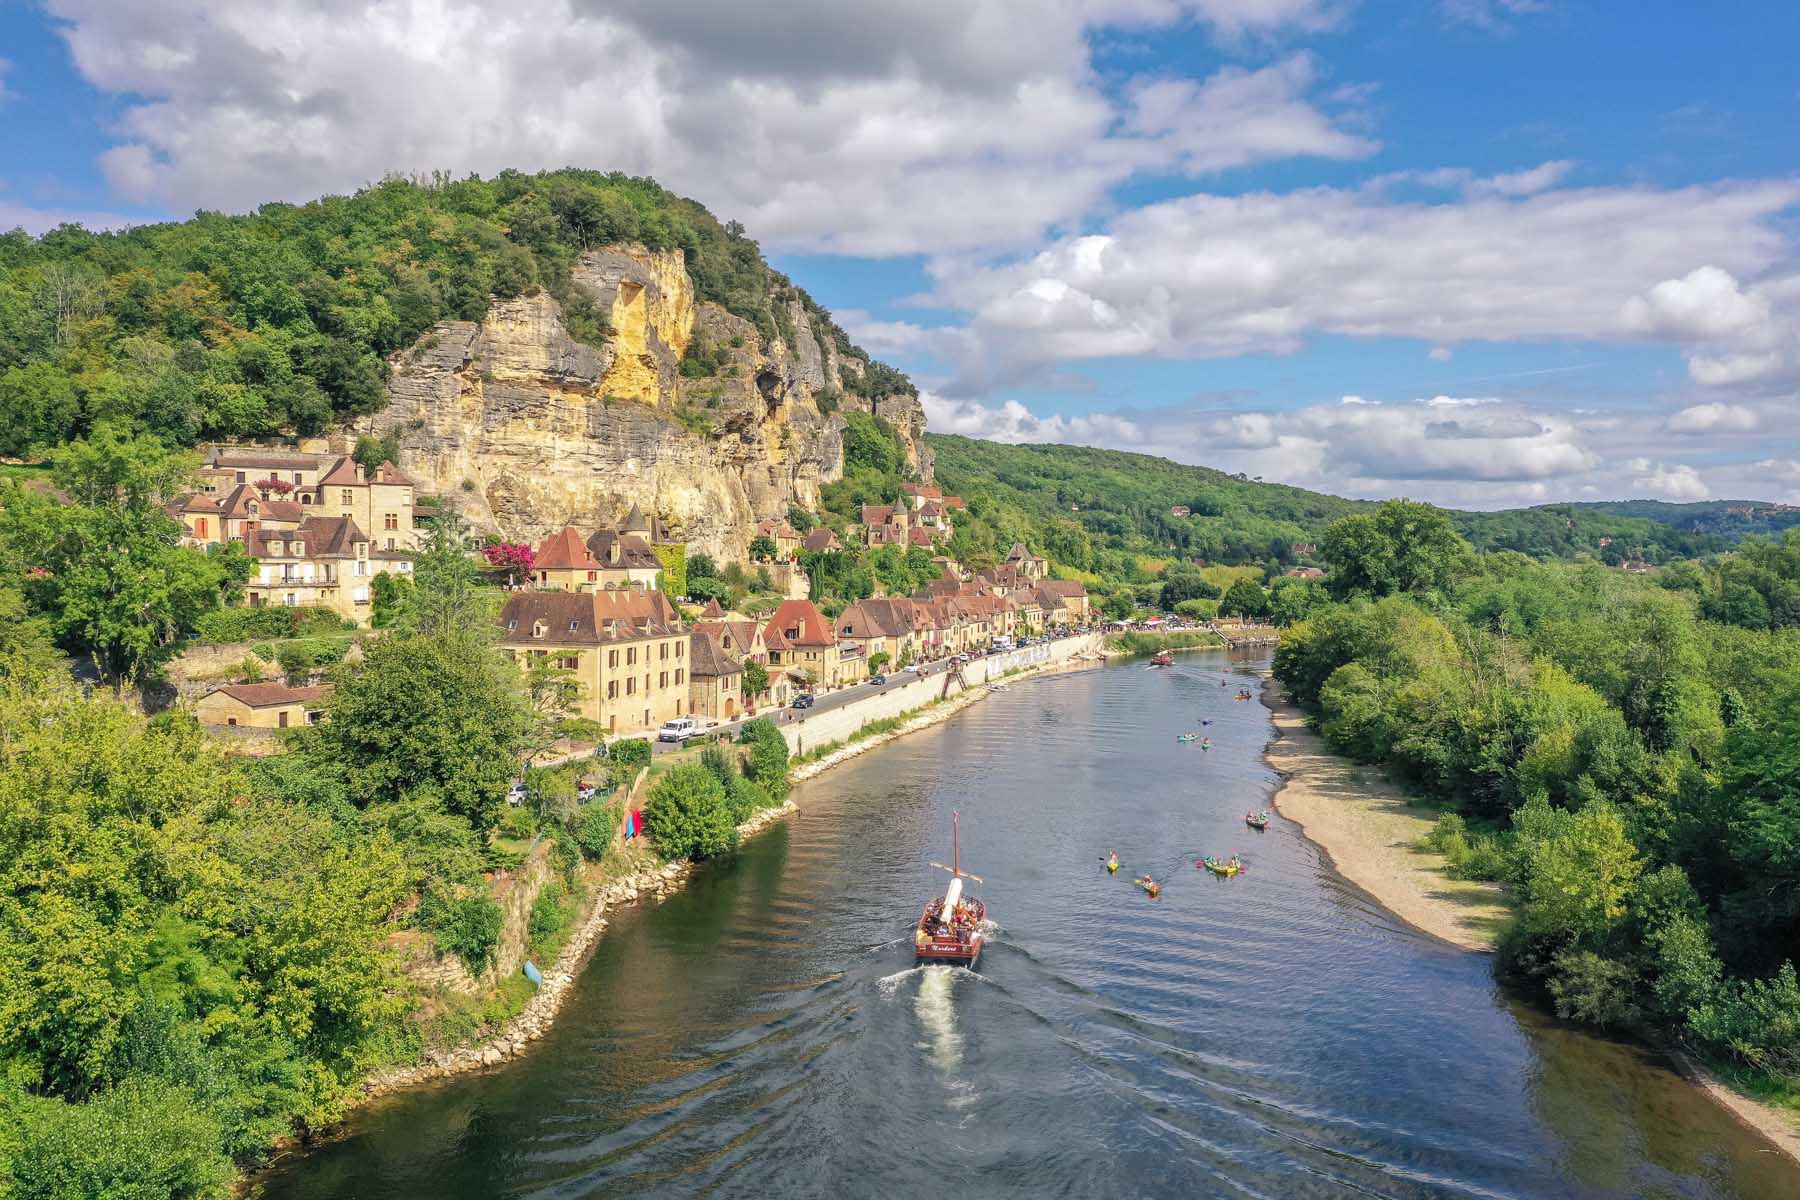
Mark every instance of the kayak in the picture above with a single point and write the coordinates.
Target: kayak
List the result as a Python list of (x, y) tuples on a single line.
[(1150, 886), (1112, 866), (1186, 737), (1220, 867)]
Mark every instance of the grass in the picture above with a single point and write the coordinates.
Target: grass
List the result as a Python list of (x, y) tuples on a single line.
[(1223, 577), (1779, 1091), (23, 472)]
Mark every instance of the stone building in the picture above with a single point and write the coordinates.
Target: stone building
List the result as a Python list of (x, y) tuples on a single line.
[(625, 646)]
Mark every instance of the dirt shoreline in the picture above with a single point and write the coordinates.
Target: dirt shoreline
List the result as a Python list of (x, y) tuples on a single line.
[(1366, 826)]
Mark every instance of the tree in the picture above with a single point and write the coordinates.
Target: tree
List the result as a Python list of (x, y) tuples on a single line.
[(146, 1138), (439, 716), (762, 548), (1244, 598), (1179, 585), (445, 596), (1403, 546), (755, 680), (1292, 600), (877, 660), (687, 814), (106, 561), (554, 697), (38, 409)]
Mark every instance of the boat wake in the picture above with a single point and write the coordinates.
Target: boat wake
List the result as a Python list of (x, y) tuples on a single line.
[(936, 1010)]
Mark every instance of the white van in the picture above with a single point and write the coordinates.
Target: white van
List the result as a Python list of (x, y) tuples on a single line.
[(678, 730)]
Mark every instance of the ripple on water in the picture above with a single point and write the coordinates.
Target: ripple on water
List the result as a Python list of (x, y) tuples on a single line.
[(764, 1033)]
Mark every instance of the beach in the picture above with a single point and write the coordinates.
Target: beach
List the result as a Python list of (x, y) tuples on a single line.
[(1368, 827)]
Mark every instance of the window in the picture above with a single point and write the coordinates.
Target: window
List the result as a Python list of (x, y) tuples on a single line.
[(612, 724), (631, 685), (662, 679), (296, 477), (678, 649), (539, 629), (231, 720), (677, 676), (391, 521), (512, 624), (240, 479), (630, 655), (390, 544), (569, 662), (612, 689), (612, 659), (346, 496), (200, 527), (593, 575), (572, 625), (663, 647)]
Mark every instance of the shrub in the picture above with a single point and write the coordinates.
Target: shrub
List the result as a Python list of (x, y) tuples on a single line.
[(768, 760), (296, 659), (1757, 1020), (466, 926), (549, 912), (518, 821), (251, 669), (594, 829), (143, 1138), (1598, 991), (687, 814), (745, 798)]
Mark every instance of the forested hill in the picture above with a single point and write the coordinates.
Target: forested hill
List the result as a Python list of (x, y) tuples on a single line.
[(1734, 519), (281, 321), (1099, 510)]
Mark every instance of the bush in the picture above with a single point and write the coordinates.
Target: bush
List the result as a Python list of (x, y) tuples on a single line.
[(1756, 1020), (1595, 990), (768, 760), (144, 1138), (518, 821), (745, 798), (296, 659), (687, 814), (594, 830), (251, 669), (466, 926), (549, 912)]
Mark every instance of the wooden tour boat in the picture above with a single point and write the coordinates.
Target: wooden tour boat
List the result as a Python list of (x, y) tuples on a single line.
[(1162, 658), (952, 927)]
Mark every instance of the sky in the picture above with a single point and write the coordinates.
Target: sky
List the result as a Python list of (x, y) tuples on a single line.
[(1479, 252)]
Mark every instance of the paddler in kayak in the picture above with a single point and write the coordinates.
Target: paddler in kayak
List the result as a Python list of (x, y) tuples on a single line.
[(1112, 862), (1150, 885)]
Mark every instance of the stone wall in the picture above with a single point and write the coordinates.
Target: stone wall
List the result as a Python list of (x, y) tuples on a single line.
[(834, 725)]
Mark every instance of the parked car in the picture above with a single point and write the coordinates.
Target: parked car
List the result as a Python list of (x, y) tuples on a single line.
[(585, 791), (516, 793), (803, 700), (678, 730), (878, 678)]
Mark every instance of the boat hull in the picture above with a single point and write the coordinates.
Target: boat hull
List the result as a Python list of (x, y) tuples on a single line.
[(948, 953)]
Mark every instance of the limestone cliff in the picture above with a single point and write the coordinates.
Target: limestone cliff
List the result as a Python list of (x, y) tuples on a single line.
[(523, 429)]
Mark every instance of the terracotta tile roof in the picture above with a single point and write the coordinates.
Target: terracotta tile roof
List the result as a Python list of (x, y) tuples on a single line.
[(774, 639), (316, 537), (1017, 552), (913, 489), (921, 537), (887, 617), (1066, 588), (266, 695), (803, 616), (822, 539), (955, 502), (707, 657), (876, 514), (283, 510), (343, 473), (586, 618), (195, 502), (564, 551), (388, 473), (712, 609)]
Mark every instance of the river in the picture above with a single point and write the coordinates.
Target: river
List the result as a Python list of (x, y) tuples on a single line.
[(762, 1033)]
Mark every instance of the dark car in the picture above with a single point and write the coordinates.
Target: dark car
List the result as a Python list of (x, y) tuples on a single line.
[(803, 700), (878, 678)]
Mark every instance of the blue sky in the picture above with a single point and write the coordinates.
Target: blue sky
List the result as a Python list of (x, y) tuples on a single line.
[(1484, 252)]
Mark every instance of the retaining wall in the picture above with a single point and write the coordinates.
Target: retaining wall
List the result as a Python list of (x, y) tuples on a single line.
[(834, 725)]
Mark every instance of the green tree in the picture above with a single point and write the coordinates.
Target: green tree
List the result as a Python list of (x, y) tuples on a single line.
[(144, 1140), (39, 409), (1244, 598), (445, 597), (762, 548), (429, 715), (755, 680), (1403, 546), (687, 814)]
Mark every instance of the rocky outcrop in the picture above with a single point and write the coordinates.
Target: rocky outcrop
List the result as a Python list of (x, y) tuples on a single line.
[(523, 429)]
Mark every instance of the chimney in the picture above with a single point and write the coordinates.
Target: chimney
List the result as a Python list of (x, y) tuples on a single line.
[(612, 550), (359, 473)]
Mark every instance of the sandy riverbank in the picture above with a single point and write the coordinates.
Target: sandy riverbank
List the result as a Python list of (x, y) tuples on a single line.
[(1367, 827)]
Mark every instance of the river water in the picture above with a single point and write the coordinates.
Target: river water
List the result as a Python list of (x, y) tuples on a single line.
[(763, 1032)]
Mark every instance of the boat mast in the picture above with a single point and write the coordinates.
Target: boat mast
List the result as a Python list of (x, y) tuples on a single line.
[(955, 849)]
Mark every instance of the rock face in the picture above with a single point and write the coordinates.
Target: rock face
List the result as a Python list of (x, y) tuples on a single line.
[(523, 429)]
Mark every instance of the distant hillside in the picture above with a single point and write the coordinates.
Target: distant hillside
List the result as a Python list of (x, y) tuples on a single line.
[(1733, 519), (1098, 510)]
